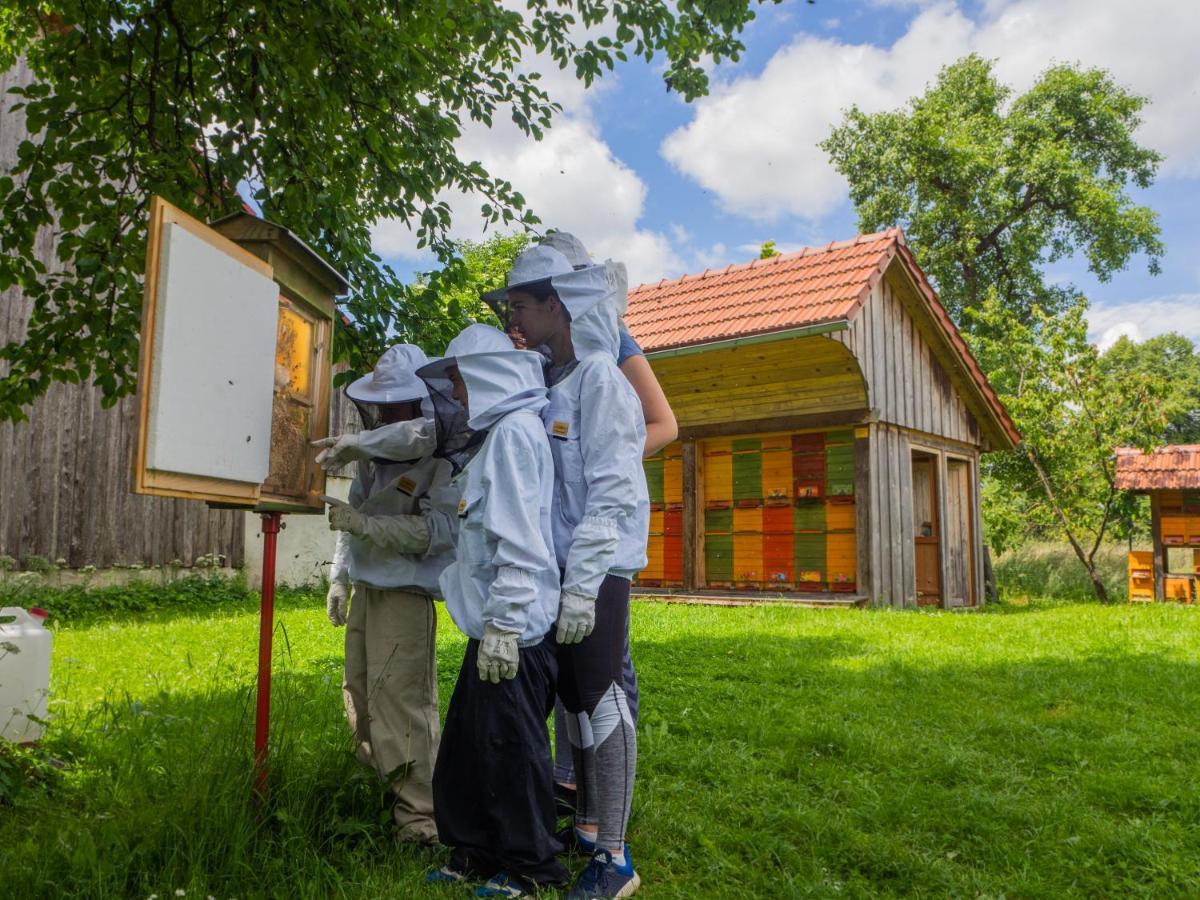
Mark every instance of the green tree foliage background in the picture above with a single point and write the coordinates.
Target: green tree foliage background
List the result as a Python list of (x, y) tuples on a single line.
[(334, 113), (991, 188)]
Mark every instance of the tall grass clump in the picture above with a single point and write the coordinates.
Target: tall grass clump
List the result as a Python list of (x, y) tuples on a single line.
[(1051, 571)]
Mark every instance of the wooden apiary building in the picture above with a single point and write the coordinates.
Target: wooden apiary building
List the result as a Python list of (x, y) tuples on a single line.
[(1171, 477), (831, 424)]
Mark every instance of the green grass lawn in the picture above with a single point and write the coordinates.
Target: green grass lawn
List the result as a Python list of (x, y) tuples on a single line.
[(1043, 751)]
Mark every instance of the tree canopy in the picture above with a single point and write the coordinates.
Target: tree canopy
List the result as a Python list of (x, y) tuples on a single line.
[(333, 114), (990, 188)]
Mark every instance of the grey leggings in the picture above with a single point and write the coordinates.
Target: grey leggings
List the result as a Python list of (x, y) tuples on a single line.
[(564, 766)]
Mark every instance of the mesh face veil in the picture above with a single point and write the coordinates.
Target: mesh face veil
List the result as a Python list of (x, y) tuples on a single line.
[(457, 443)]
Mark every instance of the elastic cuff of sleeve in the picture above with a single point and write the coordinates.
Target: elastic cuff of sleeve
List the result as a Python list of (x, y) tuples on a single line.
[(512, 577), (598, 525)]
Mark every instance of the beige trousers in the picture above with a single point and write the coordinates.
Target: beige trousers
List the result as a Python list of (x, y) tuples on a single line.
[(390, 691)]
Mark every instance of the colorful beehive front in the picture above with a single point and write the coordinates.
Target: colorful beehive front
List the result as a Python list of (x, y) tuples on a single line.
[(664, 547), (779, 512)]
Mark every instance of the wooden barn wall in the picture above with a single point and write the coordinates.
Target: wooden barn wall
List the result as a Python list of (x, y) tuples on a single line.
[(65, 473), (907, 384), (765, 381), (886, 520)]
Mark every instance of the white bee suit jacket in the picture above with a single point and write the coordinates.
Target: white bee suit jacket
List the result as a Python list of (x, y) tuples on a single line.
[(597, 432), (505, 572)]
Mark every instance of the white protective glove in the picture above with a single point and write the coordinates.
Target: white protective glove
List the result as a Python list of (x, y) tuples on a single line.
[(335, 602), (576, 617), (498, 657), (344, 517), (339, 450)]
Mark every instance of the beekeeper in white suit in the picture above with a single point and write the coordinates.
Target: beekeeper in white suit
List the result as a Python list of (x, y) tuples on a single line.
[(601, 519), (493, 783), (394, 538)]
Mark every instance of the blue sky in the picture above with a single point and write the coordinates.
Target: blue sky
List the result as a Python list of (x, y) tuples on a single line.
[(673, 188)]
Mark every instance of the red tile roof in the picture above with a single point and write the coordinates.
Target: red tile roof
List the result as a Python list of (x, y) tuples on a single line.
[(809, 287), (813, 286), (1167, 468)]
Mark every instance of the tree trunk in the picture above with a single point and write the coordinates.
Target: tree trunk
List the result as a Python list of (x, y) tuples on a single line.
[(1084, 559), (991, 590)]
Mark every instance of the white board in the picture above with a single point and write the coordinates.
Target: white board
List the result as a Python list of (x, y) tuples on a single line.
[(213, 364)]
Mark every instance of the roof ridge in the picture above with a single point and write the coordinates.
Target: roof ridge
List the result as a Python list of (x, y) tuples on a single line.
[(892, 233)]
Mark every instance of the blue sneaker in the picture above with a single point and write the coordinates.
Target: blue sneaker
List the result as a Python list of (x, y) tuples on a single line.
[(445, 875), (505, 885), (603, 878)]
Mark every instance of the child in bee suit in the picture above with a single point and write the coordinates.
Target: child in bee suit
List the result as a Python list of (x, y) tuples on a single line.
[(394, 538), (600, 524), (492, 785)]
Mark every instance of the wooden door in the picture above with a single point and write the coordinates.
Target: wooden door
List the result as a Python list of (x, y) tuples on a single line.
[(959, 558), (925, 531)]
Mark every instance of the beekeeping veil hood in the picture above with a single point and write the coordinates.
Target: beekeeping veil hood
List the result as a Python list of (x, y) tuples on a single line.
[(393, 380), (594, 295), (499, 380)]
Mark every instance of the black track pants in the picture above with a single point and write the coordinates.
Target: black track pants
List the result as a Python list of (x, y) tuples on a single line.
[(493, 797)]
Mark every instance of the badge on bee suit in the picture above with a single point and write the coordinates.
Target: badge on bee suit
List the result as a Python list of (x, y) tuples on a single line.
[(462, 508), (406, 485), (560, 429)]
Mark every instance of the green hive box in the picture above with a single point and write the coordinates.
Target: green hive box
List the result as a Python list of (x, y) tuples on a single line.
[(654, 478), (809, 516)]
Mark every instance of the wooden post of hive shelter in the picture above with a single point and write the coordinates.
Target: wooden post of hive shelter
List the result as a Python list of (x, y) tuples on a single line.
[(1160, 551), (864, 584), (691, 514)]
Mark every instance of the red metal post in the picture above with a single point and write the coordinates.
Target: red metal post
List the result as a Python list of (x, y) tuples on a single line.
[(266, 628)]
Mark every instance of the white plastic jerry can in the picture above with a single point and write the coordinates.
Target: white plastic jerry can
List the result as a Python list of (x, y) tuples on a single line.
[(24, 674)]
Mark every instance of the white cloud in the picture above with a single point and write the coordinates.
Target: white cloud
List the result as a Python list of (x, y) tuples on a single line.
[(752, 141), (1142, 319), (570, 179)]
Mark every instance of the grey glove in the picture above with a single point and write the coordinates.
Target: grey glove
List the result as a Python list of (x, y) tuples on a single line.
[(576, 617), (404, 534), (498, 657), (339, 450), (335, 602), (344, 517)]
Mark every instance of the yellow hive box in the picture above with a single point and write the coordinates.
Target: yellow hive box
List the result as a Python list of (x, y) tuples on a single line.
[(1174, 530), (654, 559), (839, 516), (673, 479), (1141, 576), (747, 558), (718, 478), (778, 442), (777, 474), (718, 446), (840, 557), (748, 520), (1178, 589), (656, 522)]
